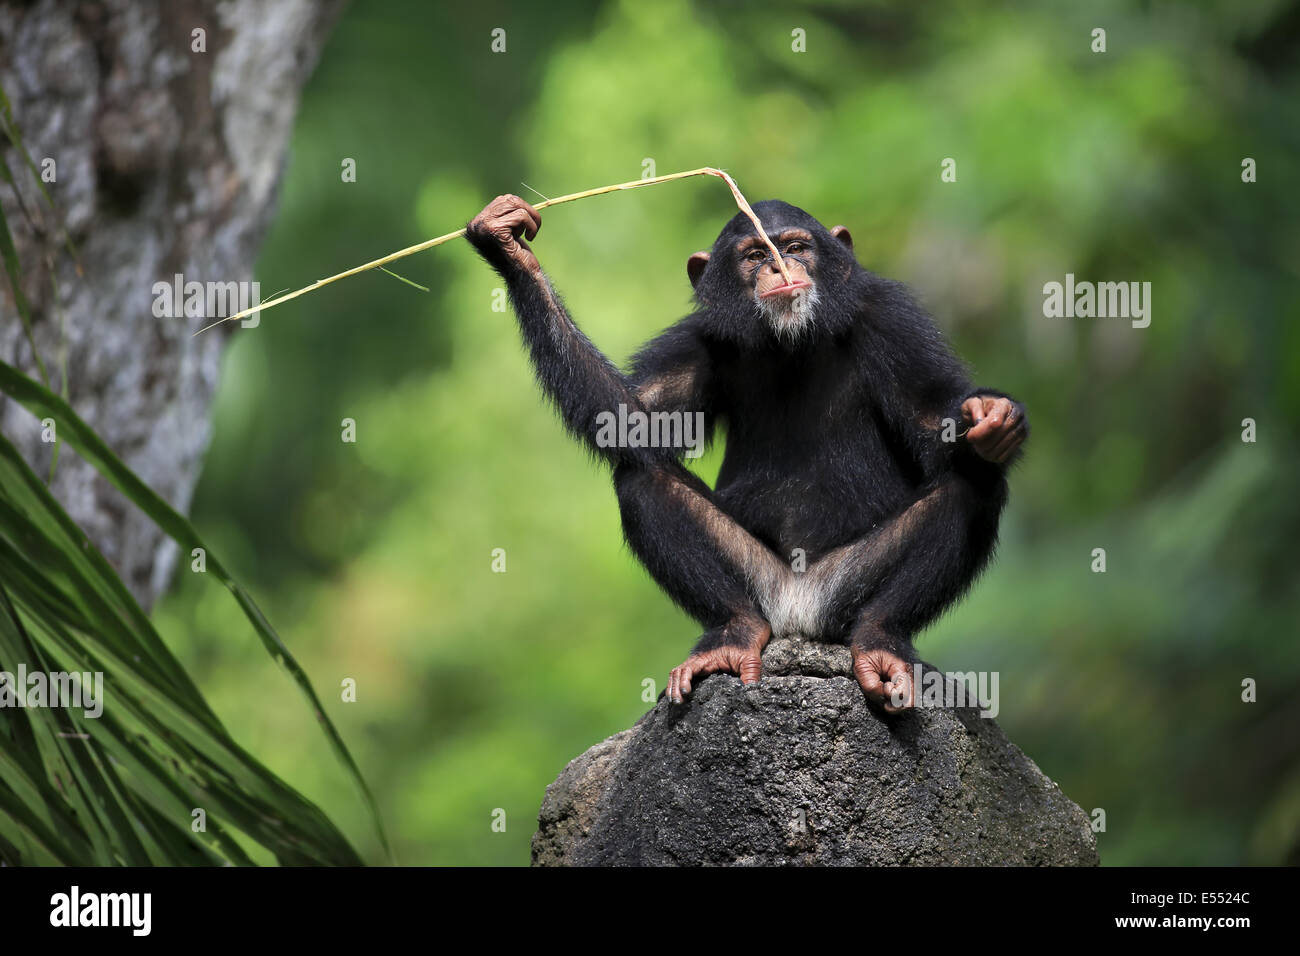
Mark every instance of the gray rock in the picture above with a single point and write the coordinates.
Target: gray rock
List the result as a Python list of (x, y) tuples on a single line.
[(799, 770)]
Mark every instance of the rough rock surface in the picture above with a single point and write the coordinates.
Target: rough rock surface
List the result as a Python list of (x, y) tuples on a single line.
[(165, 160), (799, 770)]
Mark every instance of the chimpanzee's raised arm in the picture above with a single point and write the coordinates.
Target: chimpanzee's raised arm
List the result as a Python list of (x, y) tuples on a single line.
[(586, 387), (673, 373)]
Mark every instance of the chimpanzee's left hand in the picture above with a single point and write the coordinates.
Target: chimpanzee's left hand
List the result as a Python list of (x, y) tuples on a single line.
[(998, 426)]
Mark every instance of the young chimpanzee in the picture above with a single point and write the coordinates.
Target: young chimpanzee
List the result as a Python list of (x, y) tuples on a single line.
[(847, 508)]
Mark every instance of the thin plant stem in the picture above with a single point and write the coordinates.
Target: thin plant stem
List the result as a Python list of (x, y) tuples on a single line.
[(572, 197)]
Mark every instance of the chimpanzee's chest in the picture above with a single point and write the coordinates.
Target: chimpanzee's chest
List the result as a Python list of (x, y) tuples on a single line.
[(808, 462)]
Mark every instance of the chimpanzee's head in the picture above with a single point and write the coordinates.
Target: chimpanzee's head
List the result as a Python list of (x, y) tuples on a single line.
[(739, 284)]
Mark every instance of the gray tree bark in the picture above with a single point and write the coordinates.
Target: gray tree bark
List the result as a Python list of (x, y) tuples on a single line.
[(166, 160)]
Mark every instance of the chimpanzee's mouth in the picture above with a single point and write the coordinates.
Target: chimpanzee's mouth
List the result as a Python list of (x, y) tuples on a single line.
[(789, 289)]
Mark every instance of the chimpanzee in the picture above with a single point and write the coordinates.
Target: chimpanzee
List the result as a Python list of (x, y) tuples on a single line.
[(848, 507)]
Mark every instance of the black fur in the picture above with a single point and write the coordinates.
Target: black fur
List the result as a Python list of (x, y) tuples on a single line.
[(830, 439)]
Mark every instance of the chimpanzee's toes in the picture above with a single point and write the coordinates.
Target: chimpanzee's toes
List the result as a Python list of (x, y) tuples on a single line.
[(885, 678), (744, 662)]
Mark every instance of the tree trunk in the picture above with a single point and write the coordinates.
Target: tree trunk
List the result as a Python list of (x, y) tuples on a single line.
[(166, 159)]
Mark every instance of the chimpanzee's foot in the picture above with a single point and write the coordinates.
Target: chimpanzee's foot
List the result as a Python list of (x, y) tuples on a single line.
[(734, 648), (885, 677)]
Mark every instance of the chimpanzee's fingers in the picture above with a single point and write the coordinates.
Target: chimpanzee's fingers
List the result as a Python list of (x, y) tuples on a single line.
[(515, 221), (981, 432), (997, 412), (519, 213), (751, 669), (530, 219), (1009, 443), (999, 416), (535, 218), (1006, 453), (972, 410), (986, 418)]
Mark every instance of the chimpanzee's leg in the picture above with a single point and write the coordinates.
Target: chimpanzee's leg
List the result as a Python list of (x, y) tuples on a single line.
[(885, 587), (706, 562), (875, 592)]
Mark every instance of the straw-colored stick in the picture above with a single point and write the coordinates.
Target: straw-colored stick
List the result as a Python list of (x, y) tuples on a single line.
[(439, 240)]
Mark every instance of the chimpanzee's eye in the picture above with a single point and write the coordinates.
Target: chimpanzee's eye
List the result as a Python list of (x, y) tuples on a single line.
[(757, 255), (796, 247)]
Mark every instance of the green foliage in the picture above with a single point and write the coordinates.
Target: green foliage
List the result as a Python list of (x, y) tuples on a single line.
[(475, 688), (119, 787)]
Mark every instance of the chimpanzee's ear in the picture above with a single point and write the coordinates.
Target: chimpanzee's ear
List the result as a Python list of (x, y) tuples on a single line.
[(842, 234), (695, 267)]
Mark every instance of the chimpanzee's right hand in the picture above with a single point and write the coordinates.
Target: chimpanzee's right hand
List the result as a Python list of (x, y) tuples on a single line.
[(496, 232)]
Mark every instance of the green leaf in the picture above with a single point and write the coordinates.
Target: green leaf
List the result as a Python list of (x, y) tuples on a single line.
[(89, 595)]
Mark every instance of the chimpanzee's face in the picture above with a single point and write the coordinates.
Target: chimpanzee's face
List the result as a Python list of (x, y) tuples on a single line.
[(787, 307), (740, 282)]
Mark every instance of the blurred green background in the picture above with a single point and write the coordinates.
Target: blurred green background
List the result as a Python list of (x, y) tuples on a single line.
[(475, 688)]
